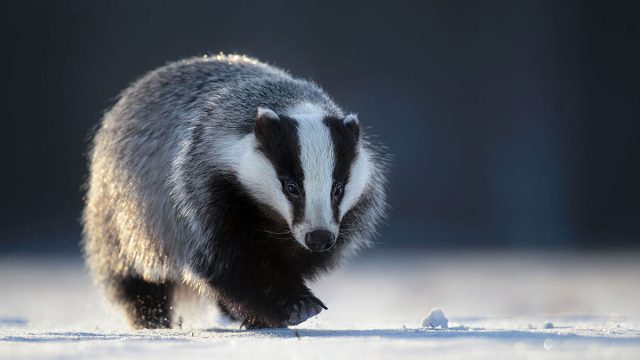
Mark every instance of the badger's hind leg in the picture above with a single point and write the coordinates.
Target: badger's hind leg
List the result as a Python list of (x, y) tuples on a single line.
[(148, 305)]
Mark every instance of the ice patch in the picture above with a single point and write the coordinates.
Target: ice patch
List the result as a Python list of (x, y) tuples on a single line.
[(436, 320)]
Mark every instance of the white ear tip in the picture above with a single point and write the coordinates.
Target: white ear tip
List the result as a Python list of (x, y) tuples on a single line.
[(268, 113), (351, 118)]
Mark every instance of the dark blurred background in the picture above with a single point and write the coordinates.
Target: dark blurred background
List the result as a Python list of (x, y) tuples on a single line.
[(512, 123)]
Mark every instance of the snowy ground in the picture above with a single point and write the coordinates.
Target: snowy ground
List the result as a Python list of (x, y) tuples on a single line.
[(499, 305)]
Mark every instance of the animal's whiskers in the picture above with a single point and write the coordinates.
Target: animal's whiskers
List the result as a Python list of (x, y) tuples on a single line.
[(270, 232)]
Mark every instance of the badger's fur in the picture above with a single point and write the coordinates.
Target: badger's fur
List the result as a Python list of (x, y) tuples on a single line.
[(230, 176)]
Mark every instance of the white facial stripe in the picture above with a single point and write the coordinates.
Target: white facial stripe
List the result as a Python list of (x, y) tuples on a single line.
[(256, 173), (317, 161), (360, 172)]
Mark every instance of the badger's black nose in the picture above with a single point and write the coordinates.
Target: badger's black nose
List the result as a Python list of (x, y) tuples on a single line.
[(319, 240)]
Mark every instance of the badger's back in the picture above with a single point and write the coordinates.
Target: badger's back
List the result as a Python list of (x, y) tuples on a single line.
[(130, 221)]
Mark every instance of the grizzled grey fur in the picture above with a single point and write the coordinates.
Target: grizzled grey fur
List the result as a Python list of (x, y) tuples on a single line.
[(164, 174)]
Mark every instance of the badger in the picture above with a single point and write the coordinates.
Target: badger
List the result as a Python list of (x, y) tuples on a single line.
[(233, 178)]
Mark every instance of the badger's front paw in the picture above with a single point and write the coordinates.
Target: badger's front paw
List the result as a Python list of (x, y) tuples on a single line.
[(302, 308), (289, 311)]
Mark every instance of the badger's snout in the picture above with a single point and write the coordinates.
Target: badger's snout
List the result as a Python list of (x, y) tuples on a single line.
[(319, 240)]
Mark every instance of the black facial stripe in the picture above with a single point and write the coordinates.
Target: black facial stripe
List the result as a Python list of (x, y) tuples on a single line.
[(345, 140), (278, 141)]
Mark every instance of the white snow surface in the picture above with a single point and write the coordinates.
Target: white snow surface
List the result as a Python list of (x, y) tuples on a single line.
[(498, 304)]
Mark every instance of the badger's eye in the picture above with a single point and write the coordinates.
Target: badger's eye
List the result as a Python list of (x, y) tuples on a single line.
[(338, 190), (291, 188)]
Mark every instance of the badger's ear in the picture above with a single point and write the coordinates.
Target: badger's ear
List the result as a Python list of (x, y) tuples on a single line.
[(266, 114), (352, 124), (263, 119)]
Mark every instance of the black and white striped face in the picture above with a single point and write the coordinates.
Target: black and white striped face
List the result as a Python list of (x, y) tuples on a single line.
[(308, 167)]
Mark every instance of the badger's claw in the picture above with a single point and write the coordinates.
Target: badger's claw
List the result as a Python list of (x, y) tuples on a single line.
[(303, 308)]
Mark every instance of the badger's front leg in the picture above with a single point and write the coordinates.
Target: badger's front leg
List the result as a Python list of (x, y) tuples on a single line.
[(267, 300)]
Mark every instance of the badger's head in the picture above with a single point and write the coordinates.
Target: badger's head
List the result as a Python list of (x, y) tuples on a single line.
[(308, 168)]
